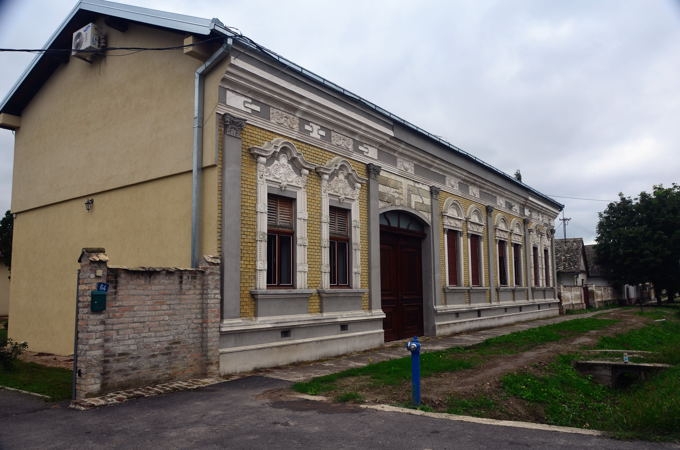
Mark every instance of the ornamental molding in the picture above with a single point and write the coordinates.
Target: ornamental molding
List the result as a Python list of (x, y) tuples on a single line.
[(475, 220), (342, 141), (284, 119), (452, 215), (233, 126), (502, 231), (517, 231), (281, 164), (342, 180)]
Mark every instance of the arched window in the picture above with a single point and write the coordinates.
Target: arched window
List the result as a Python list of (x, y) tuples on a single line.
[(403, 221)]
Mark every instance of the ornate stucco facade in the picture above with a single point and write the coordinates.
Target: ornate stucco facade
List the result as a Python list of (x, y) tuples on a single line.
[(270, 130)]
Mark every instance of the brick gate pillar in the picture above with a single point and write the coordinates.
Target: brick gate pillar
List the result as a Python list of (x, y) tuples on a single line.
[(89, 342)]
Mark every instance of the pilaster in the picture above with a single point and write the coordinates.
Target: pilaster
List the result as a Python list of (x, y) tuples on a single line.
[(231, 222), (491, 254), (374, 238)]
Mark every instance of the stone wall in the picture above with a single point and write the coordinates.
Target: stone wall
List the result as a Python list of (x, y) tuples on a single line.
[(572, 297), (159, 325)]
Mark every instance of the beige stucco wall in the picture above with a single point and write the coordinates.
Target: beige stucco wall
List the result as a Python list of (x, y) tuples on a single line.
[(117, 121), (4, 290), (119, 131)]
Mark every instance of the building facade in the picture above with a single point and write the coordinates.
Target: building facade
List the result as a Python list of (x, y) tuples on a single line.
[(339, 225)]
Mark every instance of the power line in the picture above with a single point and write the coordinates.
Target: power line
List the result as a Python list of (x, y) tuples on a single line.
[(130, 49), (581, 198)]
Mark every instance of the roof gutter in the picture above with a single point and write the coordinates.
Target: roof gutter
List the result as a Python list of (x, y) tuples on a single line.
[(197, 167)]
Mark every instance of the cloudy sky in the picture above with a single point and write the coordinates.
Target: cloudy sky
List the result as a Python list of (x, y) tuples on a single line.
[(582, 96)]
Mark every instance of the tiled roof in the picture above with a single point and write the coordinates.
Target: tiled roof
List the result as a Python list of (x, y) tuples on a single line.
[(569, 256), (594, 269)]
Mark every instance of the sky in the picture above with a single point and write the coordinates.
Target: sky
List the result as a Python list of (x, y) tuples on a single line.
[(581, 96)]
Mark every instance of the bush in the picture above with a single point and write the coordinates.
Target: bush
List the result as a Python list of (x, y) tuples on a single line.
[(10, 351)]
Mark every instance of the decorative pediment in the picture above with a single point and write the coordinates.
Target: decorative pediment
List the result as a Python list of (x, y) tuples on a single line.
[(475, 220), (452, 215), (281, 164), (517, 231), (502, 231), (343, 181)]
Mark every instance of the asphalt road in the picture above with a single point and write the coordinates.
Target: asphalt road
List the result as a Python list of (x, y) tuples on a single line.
[(238, 415)]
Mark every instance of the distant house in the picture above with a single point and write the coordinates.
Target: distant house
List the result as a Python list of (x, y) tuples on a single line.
[(571, 262), (580, 279), (339, 225), (596, 275)]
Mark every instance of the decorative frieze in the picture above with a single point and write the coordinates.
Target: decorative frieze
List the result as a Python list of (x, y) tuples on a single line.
[(242, 102), (396, 191), (342, 141), (284, 119), (405, 165), (452, 182), (314, 130), (367, 150)]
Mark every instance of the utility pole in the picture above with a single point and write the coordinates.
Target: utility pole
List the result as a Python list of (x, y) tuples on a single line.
[(564, 221)]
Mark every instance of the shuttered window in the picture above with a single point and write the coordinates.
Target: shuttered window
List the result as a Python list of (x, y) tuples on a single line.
[(280, 212), (338, 227), (280, 240), (502, 263), (452, 255), (517, 259), (537, 281), (546, 266), (475, 259)]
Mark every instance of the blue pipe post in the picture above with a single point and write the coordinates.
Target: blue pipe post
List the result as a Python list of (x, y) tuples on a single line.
[(414, 347)]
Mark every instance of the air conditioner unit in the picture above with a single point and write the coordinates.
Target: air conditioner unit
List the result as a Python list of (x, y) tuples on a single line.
[(86, 42)]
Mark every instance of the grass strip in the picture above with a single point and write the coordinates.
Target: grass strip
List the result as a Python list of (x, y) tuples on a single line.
[(53, 382), (646, 410), (396, 371)]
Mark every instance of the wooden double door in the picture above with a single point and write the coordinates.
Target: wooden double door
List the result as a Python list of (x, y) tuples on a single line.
[(401, 281)]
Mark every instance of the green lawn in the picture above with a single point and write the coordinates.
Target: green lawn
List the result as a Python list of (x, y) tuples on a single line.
[(53, 382), (458, 358), (50, 381)]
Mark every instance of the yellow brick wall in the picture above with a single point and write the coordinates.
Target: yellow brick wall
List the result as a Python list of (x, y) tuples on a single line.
[(254, 137), (511, 266), (465, 205)]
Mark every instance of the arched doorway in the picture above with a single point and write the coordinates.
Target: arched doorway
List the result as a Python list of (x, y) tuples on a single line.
[(401, 274)]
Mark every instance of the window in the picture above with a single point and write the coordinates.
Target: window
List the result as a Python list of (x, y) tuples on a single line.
[(339, 231), (546, 266), (537, 280), (517, 263), (452, 255), (475, 260), (280, 237), (502, 263)]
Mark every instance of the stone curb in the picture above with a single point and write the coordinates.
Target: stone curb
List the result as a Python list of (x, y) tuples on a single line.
[(118, 397)]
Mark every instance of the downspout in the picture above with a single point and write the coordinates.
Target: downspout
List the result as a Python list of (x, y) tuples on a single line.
[(199, 81)]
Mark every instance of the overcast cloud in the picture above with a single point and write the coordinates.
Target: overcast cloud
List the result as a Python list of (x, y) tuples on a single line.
[(582, 96)]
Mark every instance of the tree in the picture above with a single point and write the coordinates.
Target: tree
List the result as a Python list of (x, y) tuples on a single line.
[(638, 240), (6, 227)]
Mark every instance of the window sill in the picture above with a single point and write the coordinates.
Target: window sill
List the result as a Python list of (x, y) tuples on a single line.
[(341, 299), (281, 302)]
